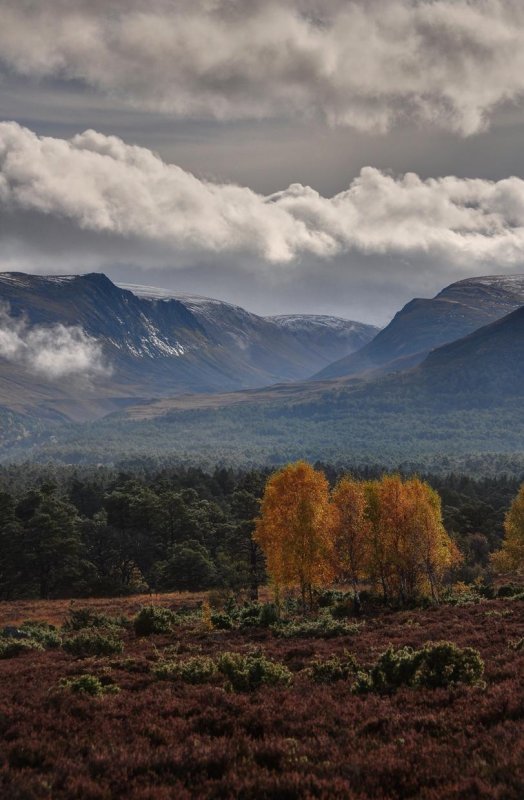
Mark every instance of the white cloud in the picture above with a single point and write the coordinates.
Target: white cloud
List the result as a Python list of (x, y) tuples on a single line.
[(134, 207), (365, 63), (54, 352)]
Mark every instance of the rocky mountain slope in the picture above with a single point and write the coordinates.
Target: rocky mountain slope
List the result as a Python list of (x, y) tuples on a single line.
[(147, 342), (423, 325)]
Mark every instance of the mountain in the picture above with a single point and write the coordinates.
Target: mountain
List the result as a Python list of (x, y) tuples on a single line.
[(151, 342), (485, 368), (300, 338), (423, 325), (319, 333), (464, 400)]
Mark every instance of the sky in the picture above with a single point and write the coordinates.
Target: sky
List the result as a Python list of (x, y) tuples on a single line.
[(316, 156)]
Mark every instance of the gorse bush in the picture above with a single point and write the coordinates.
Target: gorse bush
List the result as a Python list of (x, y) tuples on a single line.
[(44, 633), (434, 666), (462, 594), (194, 670), (246, 673), (88, 684), (80, 618), (252, 615), (336, 668), (257, 615), (222, 621), (508, 590), (323, 627), (153, 619), (9, 648), (443, 664), (93, 643)]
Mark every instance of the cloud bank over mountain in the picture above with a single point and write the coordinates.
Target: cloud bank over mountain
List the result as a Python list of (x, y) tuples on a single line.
[(53, 352), (124, 196), (368, 64)]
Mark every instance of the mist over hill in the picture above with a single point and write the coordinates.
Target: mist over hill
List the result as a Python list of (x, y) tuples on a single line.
[(464, 398), (119, 345)]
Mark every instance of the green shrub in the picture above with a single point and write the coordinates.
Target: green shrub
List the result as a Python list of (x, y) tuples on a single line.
[(333, 669), (256, 615), (323, 627), (153, 619), (198, 669), (91, 643), (222, 621), (268, 615), (252, 615), (9, 648), (444, 664), (44, 633), (435, 665), (508, 590), (246, 673), (80, 618), (88, 684), (462, 595)]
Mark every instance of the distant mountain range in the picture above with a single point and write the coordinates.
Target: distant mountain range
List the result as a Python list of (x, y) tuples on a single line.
[(400, 397), (156, 343), (465, 398)]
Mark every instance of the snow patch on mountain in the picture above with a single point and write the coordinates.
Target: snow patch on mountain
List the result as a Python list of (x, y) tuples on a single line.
[(300, 322)]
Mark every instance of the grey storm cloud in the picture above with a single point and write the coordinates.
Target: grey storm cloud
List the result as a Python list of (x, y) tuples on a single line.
[(367, 64), (54, 352), (126, 200)]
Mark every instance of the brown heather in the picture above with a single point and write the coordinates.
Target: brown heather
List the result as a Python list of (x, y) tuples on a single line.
[(159, 740)]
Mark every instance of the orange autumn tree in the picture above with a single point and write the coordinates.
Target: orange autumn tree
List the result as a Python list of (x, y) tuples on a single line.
[(409, 548), (351, 531), (436, 552), (511, 556), (378, 562), (294, 529)]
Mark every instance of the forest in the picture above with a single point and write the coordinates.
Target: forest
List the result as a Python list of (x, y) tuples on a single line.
[(79, 532), (342, 427)]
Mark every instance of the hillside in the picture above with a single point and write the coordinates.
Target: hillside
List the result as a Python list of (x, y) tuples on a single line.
[(149, 343), (423, 325), (464, 399)]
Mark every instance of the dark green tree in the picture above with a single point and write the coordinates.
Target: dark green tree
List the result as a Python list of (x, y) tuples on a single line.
[(189, 568), (51, 541), (11, 548)]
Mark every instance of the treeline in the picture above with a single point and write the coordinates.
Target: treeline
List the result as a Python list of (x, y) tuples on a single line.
[(79, 532), (337, 426)]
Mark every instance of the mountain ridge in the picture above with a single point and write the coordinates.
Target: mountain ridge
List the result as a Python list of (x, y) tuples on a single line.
[(424, 324), (156, 345)]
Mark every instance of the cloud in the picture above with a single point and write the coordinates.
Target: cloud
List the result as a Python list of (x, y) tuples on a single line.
[(366, 63), (54, 352), (123, 203)]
